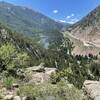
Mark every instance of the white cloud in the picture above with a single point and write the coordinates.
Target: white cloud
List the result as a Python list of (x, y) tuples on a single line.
[(71, 18), (62, 21), (68, 17), (72, 21), (55, 11), (72, 15)]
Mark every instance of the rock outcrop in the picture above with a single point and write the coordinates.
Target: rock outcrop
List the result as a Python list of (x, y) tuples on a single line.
[(92, 89), (40, 77), (39, 68), (40, 73)]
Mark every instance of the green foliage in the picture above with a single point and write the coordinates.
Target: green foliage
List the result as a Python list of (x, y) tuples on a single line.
[(81, 68), (7, 52), (11, 60), (60, 91), (54, 78), (8, 82), (95, 69), (22, 60), (26, 90), (58, 54)]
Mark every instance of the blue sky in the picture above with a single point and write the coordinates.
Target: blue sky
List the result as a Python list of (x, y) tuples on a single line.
[(63, 10)]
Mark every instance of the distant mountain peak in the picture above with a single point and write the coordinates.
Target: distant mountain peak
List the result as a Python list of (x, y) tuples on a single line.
[(98, 7), (87, 30), (25, 20), (29, 22), (5, 3)]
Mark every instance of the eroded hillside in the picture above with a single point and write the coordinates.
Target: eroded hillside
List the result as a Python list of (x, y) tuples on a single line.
[(87, 31)]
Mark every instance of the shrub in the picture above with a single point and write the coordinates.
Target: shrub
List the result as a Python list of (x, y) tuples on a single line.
[(27, 90), (8, 81), (11, 60), (45, 91), (54, 78)]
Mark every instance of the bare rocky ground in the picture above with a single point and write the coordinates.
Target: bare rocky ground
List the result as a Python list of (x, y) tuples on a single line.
[(39, 75)]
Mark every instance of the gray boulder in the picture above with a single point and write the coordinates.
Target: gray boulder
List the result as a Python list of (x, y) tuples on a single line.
[(92, 89), (39, 68)]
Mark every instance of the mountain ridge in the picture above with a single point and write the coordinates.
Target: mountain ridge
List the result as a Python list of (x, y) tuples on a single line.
[(87, 31), (25, 20)]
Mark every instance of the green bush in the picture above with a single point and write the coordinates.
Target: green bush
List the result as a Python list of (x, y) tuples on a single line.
[(54, 78), (27, 90), (8, 81), (11, 60), (45, 91)]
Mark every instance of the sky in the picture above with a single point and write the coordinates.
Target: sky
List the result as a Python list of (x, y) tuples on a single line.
[(69, 11)]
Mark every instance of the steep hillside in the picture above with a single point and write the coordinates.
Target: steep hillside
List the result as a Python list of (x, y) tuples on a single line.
[(26, 21), (22, 43), (87, 31)]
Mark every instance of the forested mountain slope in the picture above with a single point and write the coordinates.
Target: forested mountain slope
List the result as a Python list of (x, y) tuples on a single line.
[(28, 22)]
